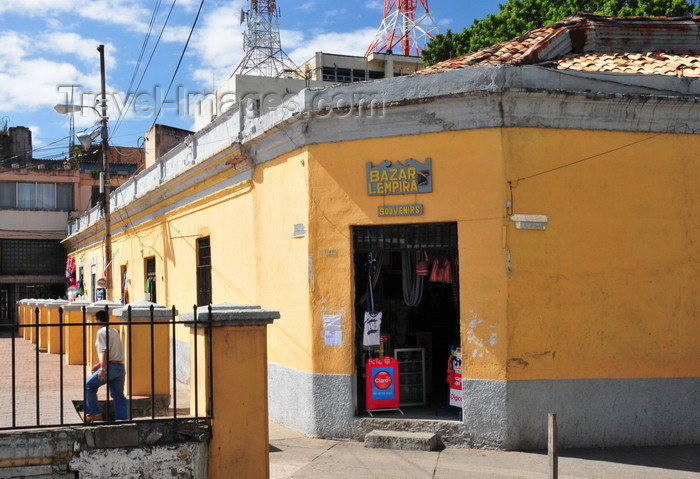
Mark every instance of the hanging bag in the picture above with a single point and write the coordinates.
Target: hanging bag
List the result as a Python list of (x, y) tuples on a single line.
[(447, 272), (423, 267), (434, 274)]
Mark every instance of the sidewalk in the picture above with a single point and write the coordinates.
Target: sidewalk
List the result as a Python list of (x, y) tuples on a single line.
[(293, 455)]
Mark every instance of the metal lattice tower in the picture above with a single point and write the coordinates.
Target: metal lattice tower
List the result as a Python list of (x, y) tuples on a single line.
[(261, 41), (403, 30)]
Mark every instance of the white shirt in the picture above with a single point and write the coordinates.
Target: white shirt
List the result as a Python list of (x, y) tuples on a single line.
[(373, 324), (116, 351)]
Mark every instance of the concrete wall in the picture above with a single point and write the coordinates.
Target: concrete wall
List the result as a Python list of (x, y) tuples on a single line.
[(148, 449), (23, 223)]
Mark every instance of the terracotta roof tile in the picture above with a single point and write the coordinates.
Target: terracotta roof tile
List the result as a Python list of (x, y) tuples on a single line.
[(651, 63), (598, 43)]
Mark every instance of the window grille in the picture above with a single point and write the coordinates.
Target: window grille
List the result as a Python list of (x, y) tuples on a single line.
[(405, 237)]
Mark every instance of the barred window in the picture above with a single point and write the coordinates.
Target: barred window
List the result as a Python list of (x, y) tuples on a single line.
[(32, 257)]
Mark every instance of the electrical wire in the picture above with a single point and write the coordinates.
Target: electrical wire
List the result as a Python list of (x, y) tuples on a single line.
[(514, 183), (182, 55), (592, 157), (132, 98), (138, 64)]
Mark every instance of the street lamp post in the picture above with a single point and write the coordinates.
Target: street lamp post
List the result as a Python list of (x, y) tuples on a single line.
[(105, 180), (85, 141)]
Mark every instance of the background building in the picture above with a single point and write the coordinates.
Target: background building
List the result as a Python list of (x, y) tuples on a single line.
[(38, 199)]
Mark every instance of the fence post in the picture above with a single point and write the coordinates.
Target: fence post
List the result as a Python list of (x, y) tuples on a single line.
[(21, 306), (25, 318), (238, 348), (32, 320), (147, 347), (53, 343), (43, 319), (73, 338)]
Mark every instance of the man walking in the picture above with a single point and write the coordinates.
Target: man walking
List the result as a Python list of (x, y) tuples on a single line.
[(109, 370)]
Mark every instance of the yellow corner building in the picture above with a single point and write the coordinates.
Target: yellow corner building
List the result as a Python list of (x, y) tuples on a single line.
[(516, 227)]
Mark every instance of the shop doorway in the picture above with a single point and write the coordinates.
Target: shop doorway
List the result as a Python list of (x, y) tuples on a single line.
[(407, 307)]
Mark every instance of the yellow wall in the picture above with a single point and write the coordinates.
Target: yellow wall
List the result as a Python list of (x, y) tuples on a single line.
[(607, 291), (281, 201), (467, 189), (604, 292)]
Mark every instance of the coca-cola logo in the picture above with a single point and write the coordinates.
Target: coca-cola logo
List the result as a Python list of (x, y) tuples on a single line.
[(382, 380)]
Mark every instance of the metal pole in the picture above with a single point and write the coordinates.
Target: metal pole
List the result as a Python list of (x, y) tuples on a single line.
[(174, 347), (36, 366), (60, 360), (552, 449), (196, 367), (105, 180), (14, 380)]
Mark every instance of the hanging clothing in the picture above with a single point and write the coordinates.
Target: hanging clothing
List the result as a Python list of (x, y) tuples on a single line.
[(411, 281), (373, 325)]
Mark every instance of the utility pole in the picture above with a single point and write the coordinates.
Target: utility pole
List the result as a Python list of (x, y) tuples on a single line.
[(104, 181)]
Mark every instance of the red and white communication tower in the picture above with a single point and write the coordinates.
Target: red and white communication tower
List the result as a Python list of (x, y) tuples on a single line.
[(405, 29)]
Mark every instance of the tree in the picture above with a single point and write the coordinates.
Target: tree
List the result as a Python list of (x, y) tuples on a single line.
[(449, 45), (519, 16)]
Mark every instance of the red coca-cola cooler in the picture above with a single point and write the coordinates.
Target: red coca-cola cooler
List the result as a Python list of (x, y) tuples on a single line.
[(382, 388)]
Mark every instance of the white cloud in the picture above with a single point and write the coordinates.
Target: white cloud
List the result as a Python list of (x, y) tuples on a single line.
[(27, 87), (35, 8), (75, 47), (37, 71), (307, 6), (127, 13), (349, 43), (176, 34), (189, 5), (218, 44)]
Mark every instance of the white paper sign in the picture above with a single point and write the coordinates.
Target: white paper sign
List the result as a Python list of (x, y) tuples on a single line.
[(334, 338), (332, 330)]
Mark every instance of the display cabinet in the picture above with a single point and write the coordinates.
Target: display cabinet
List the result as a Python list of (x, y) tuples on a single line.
[(411, 376)]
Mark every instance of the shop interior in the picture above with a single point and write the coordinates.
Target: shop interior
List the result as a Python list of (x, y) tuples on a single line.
[(407, 307)]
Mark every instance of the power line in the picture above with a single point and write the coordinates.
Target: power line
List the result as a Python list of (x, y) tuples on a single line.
[(182, 55), (132, 98), (566, 165), (138, 61)]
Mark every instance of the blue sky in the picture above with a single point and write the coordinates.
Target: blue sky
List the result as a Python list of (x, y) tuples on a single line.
[(48, 45)]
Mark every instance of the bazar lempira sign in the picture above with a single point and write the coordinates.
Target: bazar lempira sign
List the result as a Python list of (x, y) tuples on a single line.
[(400, 178)]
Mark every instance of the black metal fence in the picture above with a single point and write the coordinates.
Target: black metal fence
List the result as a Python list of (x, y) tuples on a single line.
[(48, 406)]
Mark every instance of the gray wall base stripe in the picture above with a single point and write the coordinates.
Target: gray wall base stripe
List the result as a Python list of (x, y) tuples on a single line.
[(506, 415)]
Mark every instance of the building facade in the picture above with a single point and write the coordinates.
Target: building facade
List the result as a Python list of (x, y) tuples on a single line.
[(38, 199), (550, 203)]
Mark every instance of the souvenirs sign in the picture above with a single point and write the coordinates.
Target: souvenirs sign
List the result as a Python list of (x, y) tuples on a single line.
[(400, 210), (399, 178)]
